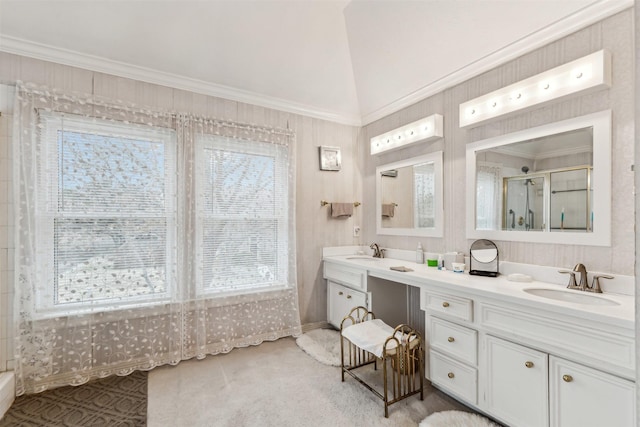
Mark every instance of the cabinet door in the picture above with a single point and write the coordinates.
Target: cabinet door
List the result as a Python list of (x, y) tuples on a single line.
[(340, 301), (582, 396), (517, 383)]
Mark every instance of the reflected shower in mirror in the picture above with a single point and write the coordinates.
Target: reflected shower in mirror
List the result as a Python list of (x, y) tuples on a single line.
[(535, 197), (542, 181), (409, 196)]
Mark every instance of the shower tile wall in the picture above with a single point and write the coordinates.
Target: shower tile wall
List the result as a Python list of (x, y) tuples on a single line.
[(6, 228)]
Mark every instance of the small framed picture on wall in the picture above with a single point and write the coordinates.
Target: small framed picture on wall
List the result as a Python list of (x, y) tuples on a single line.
[(330, 158)]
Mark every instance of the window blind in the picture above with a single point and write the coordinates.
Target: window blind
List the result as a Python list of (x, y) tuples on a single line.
[(107, 212), (242, 214)]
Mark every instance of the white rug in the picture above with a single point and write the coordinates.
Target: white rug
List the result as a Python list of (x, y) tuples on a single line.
[(321, 344), (456, 419)]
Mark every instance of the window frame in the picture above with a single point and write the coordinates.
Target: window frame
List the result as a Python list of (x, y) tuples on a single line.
[(47, 209), (281, 184)]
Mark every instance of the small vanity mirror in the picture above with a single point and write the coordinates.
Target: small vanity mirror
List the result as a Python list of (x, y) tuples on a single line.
[(484, 258), (550, 184), (409, 197)]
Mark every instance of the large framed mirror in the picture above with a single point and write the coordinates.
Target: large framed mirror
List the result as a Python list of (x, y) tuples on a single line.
[(409, 197), (549, 184)]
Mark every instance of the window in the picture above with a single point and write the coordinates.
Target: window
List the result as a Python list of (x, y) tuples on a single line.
[(242, 215), (489, 196), (106, 212)]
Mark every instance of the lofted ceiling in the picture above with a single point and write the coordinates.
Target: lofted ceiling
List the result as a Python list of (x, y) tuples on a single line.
[(347, 61)]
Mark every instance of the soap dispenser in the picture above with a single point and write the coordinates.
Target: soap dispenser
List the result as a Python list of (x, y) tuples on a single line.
[(419, 254)]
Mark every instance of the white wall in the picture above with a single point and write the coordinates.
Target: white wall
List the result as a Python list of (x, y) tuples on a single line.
[(614, 34), (315, 228), (356, 180)]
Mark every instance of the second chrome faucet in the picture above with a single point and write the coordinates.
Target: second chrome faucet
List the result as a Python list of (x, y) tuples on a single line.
[(377, 252), (584, 285)]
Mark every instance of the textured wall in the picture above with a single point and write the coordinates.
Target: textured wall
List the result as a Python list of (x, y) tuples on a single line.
[(614, 34), (315, 229), (356, 180)]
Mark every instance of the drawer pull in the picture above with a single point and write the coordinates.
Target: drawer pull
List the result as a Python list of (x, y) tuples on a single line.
[(340, 293), (348, 296), (450, 375), (451, 339), (567, 378), (445, 304), (528, 364)]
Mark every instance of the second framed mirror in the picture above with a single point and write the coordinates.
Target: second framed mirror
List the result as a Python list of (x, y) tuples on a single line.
[(409, 197)]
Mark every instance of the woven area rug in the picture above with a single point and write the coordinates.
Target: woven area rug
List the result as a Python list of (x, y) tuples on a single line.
[(321, 344), (111, 401), (456, 419)]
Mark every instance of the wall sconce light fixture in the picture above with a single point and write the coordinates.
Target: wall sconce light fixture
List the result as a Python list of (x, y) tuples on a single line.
[(426, 129), (589, 73)]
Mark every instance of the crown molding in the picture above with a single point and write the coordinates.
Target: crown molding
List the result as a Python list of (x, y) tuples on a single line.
[(586, 16), (71, 58), (589, 15)]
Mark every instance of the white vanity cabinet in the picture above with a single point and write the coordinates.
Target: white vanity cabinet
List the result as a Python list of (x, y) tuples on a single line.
[(527, 367), (516, 388), (514, 357), (341, 299), (453, 345), (586, 397), (346, 288)]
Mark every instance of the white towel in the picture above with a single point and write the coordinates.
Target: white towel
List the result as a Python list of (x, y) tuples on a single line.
[(370, 335)]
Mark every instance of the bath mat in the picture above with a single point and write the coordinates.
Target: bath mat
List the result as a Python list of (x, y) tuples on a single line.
[(321, 344), (111, 401), (456, 419)]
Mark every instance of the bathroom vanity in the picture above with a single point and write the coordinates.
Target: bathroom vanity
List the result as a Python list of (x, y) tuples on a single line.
[(527, 354)]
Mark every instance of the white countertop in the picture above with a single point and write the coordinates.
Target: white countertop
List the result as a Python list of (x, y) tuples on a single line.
[(622, 315)]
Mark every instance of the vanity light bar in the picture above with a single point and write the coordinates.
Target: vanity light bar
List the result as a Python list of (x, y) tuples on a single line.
[(588, 73), (426, 129)]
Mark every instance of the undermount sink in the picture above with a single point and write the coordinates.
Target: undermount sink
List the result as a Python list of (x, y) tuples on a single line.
[(576, 297), (363, 257)]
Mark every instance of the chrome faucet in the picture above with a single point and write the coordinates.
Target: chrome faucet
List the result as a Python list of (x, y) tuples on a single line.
[(584, 286), (377, 252), (580, 268)]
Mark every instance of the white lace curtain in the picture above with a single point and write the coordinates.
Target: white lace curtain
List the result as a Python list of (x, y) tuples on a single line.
[(488, 196), (127, 255)]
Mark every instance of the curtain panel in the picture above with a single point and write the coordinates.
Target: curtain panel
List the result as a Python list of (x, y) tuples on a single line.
[(126, 256)]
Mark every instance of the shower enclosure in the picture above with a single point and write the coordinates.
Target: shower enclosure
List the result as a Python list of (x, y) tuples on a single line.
[(552, 200)]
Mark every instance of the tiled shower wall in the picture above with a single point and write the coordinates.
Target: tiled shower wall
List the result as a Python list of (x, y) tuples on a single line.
[(6, 228)]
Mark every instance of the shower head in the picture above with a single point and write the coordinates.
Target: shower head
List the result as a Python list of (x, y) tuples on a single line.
[(525, 169)]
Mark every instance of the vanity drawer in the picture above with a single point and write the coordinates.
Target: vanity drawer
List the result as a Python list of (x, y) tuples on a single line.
[(454, 306), (352, 277), (454, 340), (453, 376)]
